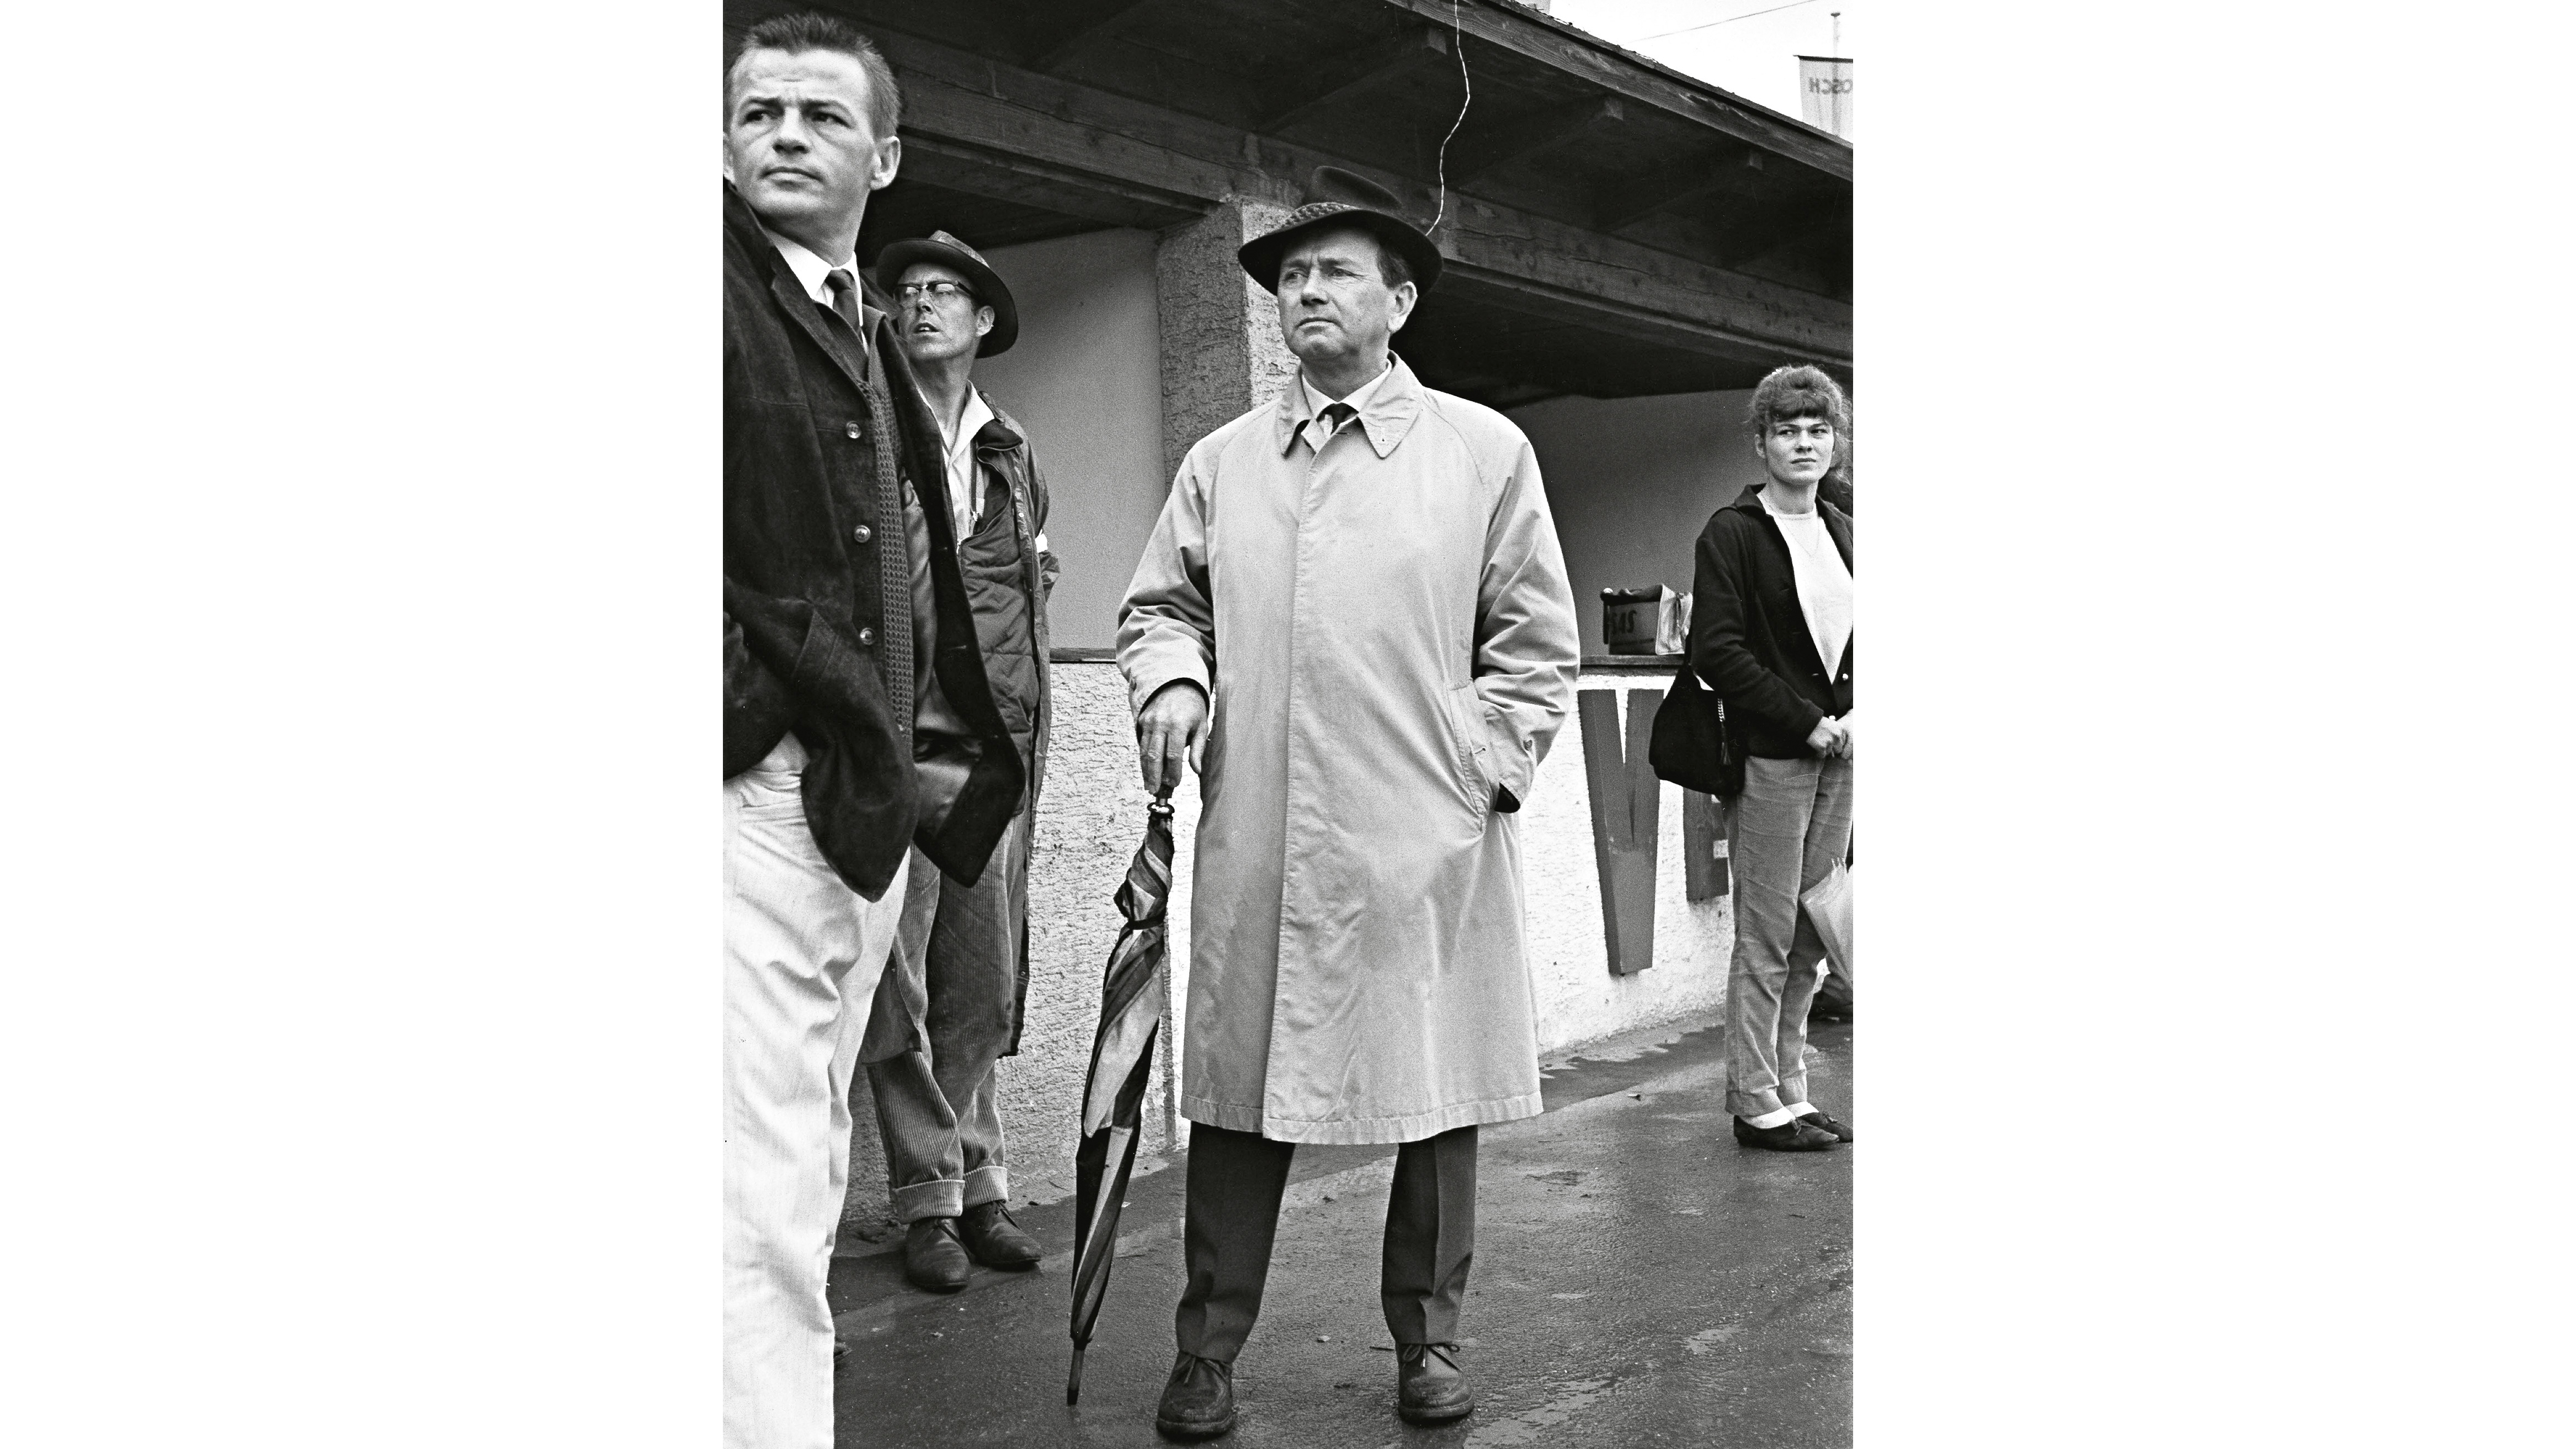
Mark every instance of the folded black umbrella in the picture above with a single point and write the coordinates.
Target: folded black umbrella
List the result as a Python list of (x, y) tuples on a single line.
[(1122, 1058)]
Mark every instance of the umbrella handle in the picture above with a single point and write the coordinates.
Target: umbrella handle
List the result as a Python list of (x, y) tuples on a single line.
[(1073, 1381)]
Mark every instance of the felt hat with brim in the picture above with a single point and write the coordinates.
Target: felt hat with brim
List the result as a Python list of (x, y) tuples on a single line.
[(947, 251), (1342, 198)]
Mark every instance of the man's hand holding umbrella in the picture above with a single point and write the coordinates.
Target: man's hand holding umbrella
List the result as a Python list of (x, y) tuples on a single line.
[(1173, 725)]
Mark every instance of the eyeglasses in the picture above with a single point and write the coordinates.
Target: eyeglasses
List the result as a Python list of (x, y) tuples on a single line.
[(937, 291)]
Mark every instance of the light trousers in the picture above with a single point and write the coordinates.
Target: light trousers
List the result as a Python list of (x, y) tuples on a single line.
[(1785, 833), (802, 955)]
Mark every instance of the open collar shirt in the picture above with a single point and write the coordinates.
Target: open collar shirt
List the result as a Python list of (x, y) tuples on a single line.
[(962, 492)]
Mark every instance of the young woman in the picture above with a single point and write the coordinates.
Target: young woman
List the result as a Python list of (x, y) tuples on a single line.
[(1771, 625)]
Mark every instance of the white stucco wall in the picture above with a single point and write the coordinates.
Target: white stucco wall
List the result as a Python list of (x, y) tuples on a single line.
[(1579, 1001), (1085, 379), (1089, 824)]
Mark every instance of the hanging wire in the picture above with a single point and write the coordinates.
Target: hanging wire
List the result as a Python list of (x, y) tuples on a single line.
[(1440, 163), (1747, 15)]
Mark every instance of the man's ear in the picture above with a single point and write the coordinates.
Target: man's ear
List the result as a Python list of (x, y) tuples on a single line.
[(889, 158), (983, 320), (1406, 294)]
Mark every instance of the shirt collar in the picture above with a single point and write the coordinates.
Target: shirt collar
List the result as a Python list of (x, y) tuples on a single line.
[(1303, 404), (1387, 405), (972, 420), (810, 269), (1316, 402)]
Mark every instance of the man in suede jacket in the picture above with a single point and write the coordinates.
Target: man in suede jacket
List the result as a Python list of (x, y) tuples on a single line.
[(858, 721)]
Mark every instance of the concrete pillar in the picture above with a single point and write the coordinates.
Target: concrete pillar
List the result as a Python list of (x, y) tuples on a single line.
[(1222, 353)]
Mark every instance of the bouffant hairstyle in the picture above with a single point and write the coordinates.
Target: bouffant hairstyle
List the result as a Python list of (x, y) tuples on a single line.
[(797, 34), (1803, 392)]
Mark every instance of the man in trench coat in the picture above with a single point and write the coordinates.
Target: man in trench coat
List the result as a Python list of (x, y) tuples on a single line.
[(1366, 578)]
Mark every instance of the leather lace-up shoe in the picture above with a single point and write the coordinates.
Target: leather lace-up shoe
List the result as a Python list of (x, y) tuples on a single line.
[(932, 1256), (1198, 1402), (1829, 1124), (995, 1240), (1429, 1389), (1795, 1135)]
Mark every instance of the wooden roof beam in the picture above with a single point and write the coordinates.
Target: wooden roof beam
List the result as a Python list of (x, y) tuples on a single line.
[(1071, 27), (1734, 170), (1346, 75), (1479, 150), (1135, 159), (1553, 44)]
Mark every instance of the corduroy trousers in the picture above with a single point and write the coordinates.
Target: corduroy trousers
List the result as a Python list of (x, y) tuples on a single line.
[(1784, 835), (957, 965)]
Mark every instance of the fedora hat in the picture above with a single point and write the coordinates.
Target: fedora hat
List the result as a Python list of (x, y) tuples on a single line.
[(1343, 198), (965, 261)]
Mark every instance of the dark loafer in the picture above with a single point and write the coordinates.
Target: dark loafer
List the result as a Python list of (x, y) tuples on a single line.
[(1829, 1124), (1198, 1402), (996, 1241), (933, 1258), (1429, 1389), (1794, 1135)]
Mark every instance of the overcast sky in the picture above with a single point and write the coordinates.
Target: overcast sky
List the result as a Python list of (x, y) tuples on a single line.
[(1757, 58)]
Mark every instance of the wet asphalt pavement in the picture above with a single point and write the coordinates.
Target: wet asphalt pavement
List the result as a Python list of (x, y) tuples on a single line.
[(1639, 1280)]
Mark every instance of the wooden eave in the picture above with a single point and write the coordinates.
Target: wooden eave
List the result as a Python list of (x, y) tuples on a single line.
[(1613, 227)]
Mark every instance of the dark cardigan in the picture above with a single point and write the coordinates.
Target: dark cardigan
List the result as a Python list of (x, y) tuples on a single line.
[(1749, 637)]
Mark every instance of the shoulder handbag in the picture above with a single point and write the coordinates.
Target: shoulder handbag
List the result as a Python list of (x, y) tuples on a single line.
[(1690, 746)]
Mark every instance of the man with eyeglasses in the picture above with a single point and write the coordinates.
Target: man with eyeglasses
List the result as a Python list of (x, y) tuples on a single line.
[(949, 1005)]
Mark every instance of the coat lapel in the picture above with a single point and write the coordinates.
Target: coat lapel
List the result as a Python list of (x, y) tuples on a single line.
[(827, 329), (818, 322)]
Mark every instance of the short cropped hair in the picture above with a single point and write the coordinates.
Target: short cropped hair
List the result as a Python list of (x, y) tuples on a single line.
[(813, 30)]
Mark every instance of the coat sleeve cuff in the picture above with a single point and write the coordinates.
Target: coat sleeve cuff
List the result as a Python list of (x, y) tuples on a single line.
[(1510, 759), (1147, 677)]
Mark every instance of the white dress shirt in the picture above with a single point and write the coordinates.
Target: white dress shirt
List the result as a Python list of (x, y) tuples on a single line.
[(809, 268)]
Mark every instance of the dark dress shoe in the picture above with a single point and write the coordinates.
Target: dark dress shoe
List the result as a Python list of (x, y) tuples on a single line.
[(1794, 1135), (932, 1256), (1429, 1389), (1198, 1402), (996, 1241), (1829, 1124)]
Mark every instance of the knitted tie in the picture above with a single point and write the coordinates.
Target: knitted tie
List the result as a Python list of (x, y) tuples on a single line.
[(893, 537)]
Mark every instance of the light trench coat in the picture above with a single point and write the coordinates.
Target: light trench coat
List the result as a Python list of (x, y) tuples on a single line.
[(1390, 638)]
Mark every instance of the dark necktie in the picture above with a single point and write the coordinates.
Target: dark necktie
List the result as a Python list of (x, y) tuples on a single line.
[(845, 297), (1333, 417)]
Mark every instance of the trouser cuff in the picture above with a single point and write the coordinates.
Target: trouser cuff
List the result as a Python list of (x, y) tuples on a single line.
[(986, 1184), (943, 1198)]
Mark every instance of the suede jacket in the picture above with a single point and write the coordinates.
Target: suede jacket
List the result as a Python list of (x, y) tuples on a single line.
[(1749, 638), (818, 614)]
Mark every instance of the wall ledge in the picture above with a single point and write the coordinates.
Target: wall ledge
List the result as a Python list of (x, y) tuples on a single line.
[(1592, 663)]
